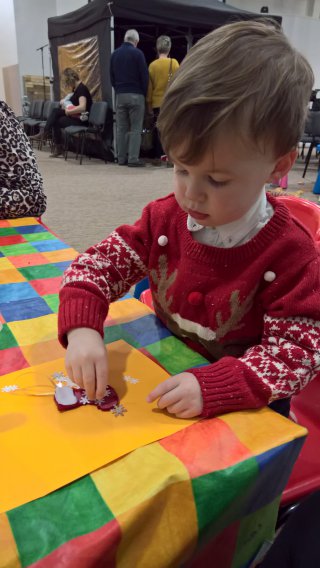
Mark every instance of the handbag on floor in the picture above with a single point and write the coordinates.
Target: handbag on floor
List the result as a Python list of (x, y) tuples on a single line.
[(147, 133)]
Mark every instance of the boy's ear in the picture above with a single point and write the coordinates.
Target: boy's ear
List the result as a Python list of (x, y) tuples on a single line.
[(283, 165)]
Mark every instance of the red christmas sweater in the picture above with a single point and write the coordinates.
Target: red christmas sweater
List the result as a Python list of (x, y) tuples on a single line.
[(253, 310)]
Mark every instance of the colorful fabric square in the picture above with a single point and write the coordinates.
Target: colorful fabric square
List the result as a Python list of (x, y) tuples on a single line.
[(7, 338), (11, 240), (28, 260), (25, 309), (41, 329), (46, 286), (17, 250), (40, 272), (72, 504), (32, 237), (4, 232), (27, 229), (11, 276), (11, 359), (146, 330), (16, 292), (174, 355), (45, 246)]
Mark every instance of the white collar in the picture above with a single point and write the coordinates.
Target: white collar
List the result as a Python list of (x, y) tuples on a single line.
[(237, 232)]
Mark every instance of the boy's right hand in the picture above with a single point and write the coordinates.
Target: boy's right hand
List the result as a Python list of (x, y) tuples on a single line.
[(86, 361)]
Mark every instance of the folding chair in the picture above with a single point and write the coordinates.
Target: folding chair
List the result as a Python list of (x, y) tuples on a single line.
[(95, 127), (35, 117)]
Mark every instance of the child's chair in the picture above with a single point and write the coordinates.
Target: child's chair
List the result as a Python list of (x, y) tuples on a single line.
[(305, 211), (305, 408)]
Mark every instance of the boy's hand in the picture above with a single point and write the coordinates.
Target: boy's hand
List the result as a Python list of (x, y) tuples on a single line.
[(86, 361), (179, 395)]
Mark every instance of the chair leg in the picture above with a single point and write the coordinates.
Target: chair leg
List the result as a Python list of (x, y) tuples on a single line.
[(308, 159), (78, 145), (66, 145), (82, 146)]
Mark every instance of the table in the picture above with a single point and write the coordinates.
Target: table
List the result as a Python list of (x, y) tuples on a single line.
[(206, 495)]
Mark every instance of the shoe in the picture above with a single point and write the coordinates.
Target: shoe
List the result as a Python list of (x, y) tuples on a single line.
[(58, 151), (138, 164), (40, 136), (122, 163)]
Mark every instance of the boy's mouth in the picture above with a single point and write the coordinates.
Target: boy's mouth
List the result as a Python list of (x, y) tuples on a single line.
[(197, 214)]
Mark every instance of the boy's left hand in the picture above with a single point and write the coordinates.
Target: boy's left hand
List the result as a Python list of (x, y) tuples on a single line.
[(179, 395)]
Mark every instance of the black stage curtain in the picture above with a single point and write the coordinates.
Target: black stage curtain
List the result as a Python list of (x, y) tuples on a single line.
[(82, 40)]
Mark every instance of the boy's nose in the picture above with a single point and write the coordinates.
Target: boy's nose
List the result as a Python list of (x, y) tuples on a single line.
[(194, 190)]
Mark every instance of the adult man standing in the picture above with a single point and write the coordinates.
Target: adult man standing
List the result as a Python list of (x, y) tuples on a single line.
[(129, 78)]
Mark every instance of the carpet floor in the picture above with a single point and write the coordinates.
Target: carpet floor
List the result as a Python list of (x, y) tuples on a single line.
[(85, 203)]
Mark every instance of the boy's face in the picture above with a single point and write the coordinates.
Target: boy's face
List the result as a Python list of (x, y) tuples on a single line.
[(227, 182)]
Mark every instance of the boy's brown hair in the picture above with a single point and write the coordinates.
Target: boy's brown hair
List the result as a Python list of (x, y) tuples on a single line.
[(244, 75)]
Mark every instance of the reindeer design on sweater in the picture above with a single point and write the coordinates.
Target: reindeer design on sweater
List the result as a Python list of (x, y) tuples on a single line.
[(209, 338)]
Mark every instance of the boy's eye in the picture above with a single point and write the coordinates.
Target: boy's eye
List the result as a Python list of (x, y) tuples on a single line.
[(216, 183)]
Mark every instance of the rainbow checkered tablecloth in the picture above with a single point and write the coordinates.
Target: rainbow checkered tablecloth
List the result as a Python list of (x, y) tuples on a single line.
[(205, 496)]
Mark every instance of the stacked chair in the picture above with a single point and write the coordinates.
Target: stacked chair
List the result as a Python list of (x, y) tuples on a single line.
[(36, 111)]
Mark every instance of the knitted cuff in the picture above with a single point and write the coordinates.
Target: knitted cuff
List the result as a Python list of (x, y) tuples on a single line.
[(224, 388), (86, 310)]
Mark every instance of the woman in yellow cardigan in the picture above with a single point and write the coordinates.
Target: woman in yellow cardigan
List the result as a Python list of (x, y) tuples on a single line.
[(160, 73)]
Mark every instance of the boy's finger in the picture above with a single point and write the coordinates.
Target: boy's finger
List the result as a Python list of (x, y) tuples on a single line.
[(76, 375), (170, 398), (89, 380), (101, 379), (177, 408), (162, 389)]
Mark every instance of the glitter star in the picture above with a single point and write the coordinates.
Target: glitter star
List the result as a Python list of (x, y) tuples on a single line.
[(84, 399), (10, 388), (118, 410), (129, 379)]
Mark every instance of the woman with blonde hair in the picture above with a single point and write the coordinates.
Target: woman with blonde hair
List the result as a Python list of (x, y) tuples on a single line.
[(69, 112), (161, 72)]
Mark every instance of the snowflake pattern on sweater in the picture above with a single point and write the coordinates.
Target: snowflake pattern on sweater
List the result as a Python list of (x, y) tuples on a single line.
[(262, 337)]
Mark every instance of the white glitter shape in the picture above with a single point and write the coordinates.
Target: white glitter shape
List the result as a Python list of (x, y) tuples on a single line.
[(118, 410), (10, 388), (108, 392), (129, 379), (64, 379), (84, 399)]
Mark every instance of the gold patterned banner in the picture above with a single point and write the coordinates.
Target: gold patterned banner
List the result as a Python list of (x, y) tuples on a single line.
[(83, 57)]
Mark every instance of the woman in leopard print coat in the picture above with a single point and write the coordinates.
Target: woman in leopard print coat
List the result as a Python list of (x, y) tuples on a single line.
[(21, 185)]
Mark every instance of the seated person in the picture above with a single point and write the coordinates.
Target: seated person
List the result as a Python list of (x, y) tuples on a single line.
[(70, 111), (21, 185)]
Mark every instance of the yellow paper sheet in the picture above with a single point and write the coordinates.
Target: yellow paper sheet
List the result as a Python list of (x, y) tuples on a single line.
[(43, 449)]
